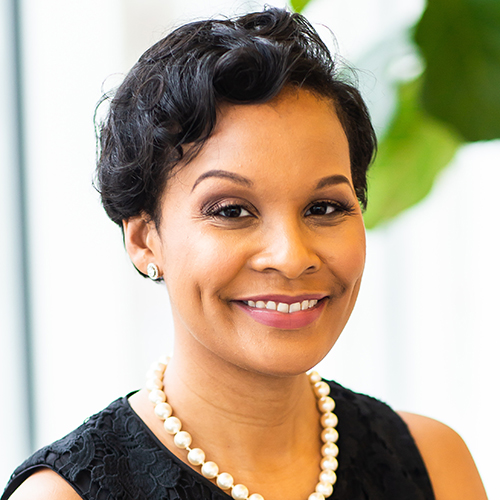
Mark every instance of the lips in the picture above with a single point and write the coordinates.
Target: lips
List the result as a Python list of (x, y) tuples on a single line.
[(288, 313), (282, 307)]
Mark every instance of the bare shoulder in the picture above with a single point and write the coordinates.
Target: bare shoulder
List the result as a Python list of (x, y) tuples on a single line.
[(45, 484), (452, 470)]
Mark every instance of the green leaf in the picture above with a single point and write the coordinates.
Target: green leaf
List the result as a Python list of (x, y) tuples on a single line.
[(415, 148), (460, 41), (298, 5)]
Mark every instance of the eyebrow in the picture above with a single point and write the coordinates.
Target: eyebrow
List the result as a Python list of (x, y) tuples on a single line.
[(239, 179), (332, 180), (223, 174)]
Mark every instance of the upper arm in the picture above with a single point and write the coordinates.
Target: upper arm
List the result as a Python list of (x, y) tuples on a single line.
[(452, 471), (45, 484)]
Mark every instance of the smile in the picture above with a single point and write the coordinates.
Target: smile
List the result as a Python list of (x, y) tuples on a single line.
[(282, 307), (284, 315)]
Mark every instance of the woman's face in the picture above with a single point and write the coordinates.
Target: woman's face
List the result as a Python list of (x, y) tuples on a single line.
[(264, 218)]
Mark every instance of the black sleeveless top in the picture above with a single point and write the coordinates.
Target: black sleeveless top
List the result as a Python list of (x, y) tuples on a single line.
[(114, 455)]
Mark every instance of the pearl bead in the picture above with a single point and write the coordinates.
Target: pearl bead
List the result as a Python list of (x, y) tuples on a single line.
[(335, 463), (162, 363), (156, 396), (163, 410), (329, 463), (164, 360), (172, 425), (225, 481), (329, 419), (182, 439), (239, 492), (154, 383), (328, 476), (316, 496), (326, 404), (329, 435), (314, 377), (210, 469), (321, 389), (155, 371), (330, 450), (326, 489), (196, 456)]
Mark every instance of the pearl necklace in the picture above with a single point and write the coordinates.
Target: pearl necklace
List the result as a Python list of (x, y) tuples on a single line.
[(225, 481)]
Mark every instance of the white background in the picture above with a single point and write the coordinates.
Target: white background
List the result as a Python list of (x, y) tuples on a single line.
[(424, 335)]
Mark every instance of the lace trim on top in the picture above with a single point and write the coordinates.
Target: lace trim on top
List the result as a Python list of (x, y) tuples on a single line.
[(114, 455)]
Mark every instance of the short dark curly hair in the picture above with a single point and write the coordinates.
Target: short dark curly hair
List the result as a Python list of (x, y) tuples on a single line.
[(170, 98)]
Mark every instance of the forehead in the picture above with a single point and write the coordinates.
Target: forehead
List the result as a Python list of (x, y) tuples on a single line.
[(293, 135)]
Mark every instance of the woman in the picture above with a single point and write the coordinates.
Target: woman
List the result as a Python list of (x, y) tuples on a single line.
[(234, 159)]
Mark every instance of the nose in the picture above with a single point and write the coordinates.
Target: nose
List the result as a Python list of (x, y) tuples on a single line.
[(287, 248)]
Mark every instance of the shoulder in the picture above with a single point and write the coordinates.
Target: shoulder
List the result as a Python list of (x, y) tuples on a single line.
[(113, 451), (452, 471), (62, 468), (363, 415), (45, 485), (373, 437)]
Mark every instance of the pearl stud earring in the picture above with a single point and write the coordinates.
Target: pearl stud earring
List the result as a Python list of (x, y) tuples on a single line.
[(153, 272)]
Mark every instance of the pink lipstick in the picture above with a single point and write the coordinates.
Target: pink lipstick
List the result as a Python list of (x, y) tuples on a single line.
[(284, 312)]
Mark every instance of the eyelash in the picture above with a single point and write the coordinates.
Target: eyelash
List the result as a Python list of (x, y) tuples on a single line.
[(340, 208), (214, 211)]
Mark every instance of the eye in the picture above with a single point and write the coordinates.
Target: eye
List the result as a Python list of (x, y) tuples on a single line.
[(323, 208), (233, 211), (230, 211)]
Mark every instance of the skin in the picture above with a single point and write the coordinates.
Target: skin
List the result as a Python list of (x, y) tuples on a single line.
[(239, 386), (451, 467)]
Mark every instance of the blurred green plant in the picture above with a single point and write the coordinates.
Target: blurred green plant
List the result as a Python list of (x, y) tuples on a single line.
[(456, 99), (460, 42), (298, 5), (415, 148)]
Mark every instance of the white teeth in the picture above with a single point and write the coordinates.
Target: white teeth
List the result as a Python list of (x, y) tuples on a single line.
[(283, 307)]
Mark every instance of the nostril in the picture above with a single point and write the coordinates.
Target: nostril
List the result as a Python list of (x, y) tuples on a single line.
[(286, 247), (292, 264)]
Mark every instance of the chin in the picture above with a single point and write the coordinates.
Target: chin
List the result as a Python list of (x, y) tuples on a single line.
[(288, 361)]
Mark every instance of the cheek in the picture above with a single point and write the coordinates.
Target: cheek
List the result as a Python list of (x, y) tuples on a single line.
[(347, 256), (198, 263)]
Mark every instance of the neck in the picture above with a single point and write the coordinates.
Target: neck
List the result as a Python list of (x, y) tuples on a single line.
[(237, 422), (247, 422), (234, 393)]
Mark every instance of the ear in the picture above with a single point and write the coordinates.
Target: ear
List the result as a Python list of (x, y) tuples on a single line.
[(142, 243)]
